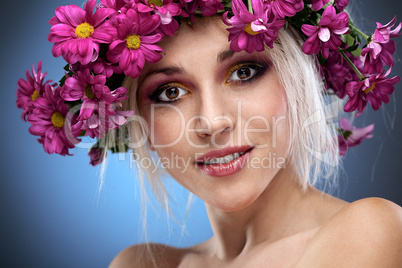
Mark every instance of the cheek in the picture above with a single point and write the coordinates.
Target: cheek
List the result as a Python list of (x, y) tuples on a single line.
[(166, 126), (266, 121)]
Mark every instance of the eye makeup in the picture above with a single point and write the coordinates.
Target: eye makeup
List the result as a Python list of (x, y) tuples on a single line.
[(236, 70)]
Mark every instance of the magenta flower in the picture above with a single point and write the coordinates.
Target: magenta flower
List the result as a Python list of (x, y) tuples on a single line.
[(341, 4), (318, 4), (48, 121), (92, 91), (350, 137), (380, 50), (326, 36), (210, 7), (284, 8), (338, 73), (78, 32), (106, 118), (376, 89), (207, 7), (166, 10), (104, 68), (135, 44), (251, 31), (115, 4), (30, 89)]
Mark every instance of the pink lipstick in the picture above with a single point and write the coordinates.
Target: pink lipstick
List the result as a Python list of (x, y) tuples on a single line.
[(224, 162)]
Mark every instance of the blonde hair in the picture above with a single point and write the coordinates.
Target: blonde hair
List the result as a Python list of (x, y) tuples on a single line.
[(314, 147)]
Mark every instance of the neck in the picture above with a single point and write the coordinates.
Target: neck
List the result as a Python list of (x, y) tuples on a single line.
[(280, 211)]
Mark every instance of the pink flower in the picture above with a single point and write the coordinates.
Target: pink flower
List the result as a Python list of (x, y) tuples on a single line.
[(376, 89), (104, 68), (327, 35), (284, 8), (92, 91), (30, 89), (380, 50), (350, 137), (210, 7), (106, 118), (341, 4), (115, 4), (207, 7), (48, 121), (166, 10), (251, 31), (135, 44), (78, 32), (338, 73), (318, 4)]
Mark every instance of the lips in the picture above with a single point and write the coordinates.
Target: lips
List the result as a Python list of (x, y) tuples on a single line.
[(224, 162)]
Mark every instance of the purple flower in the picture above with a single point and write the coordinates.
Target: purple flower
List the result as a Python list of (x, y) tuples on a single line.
[(375, 89), (341, 4), (78, 32), (166, 10), (135, 43), (92, 91), (380, 50), (30, 89), (350, 137), (96, 155), (207, 7), (48, 121), (251, 31), (327, 35), (106, 118), (338, 73), (318, 4), (104, 68), (115, 4), (284, 8)]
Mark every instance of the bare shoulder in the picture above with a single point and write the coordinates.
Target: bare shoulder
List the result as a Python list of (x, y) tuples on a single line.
[(149, 255), (365, 233)]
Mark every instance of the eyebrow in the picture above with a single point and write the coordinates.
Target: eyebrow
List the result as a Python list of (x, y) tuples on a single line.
[(224, 55), (166, 71)]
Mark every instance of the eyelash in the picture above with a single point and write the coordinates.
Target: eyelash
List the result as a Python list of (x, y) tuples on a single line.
[(257, 68), (156, 95), (257, 71)]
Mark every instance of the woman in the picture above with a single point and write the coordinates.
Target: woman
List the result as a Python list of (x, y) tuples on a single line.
[(260, 215), (246, 127)]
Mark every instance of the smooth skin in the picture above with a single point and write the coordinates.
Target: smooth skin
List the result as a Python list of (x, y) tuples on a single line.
[(260, 216)]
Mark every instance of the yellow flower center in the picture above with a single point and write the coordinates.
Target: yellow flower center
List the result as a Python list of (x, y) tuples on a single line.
[(89, 93), (57, 119), (248, 30), (157, 3), (370, 88), (133, 41), (35, 95), (84, 30)]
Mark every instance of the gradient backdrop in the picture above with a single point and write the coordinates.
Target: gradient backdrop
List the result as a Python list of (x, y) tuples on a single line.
[(50, 212)]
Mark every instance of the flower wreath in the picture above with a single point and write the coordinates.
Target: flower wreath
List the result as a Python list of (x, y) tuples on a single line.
[(104, 42)]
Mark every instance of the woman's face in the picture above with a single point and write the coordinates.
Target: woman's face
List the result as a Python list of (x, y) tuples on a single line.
[(217, 119)]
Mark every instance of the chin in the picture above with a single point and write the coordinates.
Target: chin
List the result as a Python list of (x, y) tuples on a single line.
[(233, 200)]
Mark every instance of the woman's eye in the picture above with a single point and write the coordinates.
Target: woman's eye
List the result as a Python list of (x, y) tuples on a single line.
[(170, 93), (243, 73)]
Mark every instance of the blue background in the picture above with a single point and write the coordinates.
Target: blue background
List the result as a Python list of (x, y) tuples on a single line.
[(51, 214)]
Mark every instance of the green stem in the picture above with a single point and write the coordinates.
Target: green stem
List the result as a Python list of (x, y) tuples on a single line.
[(359, 32), (250, 8), (352, 65)]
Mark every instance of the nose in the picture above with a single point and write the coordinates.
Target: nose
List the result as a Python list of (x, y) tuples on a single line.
[(215, 116)]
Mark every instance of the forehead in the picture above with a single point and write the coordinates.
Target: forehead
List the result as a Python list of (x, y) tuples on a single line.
[(206, 36)]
